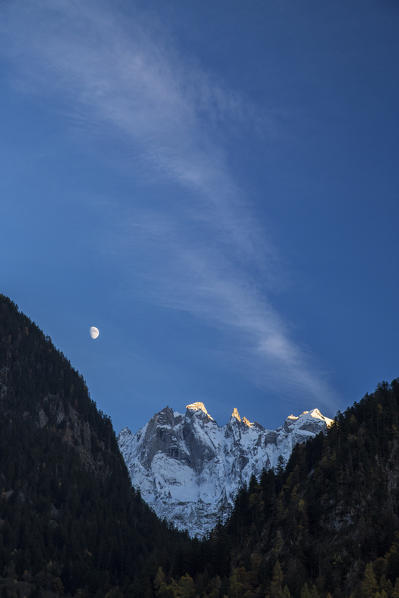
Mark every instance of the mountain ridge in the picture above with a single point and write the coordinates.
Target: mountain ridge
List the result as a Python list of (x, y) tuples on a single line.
[(189, 469)]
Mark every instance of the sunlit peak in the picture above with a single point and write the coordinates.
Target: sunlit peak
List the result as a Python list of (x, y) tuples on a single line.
[(235, 414), (198, 406)]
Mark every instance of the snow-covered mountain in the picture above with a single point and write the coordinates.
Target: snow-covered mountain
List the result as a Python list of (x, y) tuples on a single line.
[(189, 469)]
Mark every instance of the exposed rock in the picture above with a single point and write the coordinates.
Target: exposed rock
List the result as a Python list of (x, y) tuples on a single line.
[(189, 469)]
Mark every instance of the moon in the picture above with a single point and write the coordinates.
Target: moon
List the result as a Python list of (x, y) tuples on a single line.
[(94, 332)]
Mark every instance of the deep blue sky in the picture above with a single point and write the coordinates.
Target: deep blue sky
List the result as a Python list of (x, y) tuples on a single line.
[(215, 186)]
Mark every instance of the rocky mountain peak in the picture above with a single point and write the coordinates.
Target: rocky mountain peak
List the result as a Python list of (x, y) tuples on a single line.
[(189, 469), (235, 415), (198, 407), (165, 416)]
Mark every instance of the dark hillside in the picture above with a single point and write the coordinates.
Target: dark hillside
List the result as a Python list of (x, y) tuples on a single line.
[(70, 523), (326, 526)]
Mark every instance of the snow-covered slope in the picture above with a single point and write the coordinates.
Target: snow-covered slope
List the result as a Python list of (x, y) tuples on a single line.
[(189, 469)]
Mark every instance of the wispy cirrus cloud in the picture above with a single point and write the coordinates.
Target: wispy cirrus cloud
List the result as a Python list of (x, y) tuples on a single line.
[(122, 77)]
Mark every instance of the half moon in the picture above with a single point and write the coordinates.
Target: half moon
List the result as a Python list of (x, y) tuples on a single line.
[(94, 332)]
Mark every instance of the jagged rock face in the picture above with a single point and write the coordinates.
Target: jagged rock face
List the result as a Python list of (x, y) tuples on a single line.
[(189, 469)]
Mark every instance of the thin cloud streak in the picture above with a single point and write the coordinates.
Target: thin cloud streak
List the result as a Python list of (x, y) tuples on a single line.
[(141, 91), (116, 77), (207, 284)]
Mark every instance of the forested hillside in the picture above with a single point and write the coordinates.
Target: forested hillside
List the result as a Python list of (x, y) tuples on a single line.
[(70, 523), (326, 526)]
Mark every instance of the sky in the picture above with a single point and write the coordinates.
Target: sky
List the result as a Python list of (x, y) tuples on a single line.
[(214, 185)]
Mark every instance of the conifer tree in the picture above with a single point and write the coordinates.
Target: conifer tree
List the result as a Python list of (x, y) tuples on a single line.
[(369, 584)]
